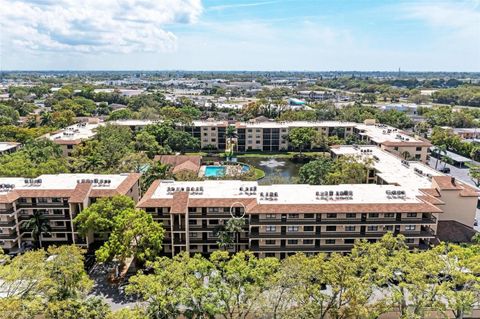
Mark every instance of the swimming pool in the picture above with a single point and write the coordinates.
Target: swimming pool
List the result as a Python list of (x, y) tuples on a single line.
[(220, 171), (214, 171)]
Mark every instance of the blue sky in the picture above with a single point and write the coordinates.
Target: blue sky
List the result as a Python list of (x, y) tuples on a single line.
[(312, 35)]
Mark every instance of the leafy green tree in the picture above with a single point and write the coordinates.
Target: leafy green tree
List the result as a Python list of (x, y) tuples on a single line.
[(134, 234), (349, 170), (8, 115), (178, 286), (238, 281), (316, 172), (90, 308), (302, 137), (146, 142), (100, 216), (460, 287)]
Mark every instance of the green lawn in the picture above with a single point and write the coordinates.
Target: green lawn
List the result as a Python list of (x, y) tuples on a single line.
[(279, 154)]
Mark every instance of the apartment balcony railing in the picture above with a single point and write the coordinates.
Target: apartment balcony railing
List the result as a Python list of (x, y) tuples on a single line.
[(350, 221), (335, 234)]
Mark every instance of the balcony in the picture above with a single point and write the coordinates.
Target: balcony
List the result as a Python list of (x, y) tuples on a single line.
[(350, 221), (336, 234)]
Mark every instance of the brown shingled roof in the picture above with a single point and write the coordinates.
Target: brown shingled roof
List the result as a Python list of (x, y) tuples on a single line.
[(81, 192), (180, 162), (179, 203)]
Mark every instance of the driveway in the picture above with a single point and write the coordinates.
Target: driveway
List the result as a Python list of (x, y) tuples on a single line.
[(113, 294)]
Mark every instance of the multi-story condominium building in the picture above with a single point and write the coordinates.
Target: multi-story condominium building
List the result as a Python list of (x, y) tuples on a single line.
[(71, 136), (58, 197), (9, 147), (272, 136), (402, 197)]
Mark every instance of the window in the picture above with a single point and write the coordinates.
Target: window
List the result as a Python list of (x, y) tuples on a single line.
[(330, 241), (410, 241), (412, 215), (292, 242), (292, 228), (307, 228), (349, 228), (351, 215), (418, 149), (213, 210), (270, 228), (388, 228), (372, 228), (410, 227), (270, 216), (193, 235), (349, 241), (309, 215), (42, 200), (56, 200), (293, 215), (331, 228), (60, 235), (193, 246), (269, 254), (308, 241), (192, 221), (59, 224), (389, 215), (57, 212), (331, 215), (373, 215), (270, 242), (69, 147), (213, 221)]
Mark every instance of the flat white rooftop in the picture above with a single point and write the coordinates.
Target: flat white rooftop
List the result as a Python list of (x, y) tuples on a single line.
[(380, 133), (5, 146), (63, 181), (411, 175), (80, 131), (291, 193)]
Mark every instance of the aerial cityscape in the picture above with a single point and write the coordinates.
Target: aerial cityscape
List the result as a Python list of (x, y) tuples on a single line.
[(248, 159)]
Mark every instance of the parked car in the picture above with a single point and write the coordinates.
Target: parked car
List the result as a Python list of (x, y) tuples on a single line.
[(445, 170)]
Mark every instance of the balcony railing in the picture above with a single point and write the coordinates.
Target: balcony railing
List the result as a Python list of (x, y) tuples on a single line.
[(346, 221)]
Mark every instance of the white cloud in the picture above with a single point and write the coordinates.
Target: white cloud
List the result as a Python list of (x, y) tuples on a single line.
[(461, 17), (95, 25)]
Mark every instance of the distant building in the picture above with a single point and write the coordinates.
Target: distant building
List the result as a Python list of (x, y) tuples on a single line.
[(9, 147)]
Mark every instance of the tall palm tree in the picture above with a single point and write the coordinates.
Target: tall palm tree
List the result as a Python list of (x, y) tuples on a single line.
[(441, 151), (38, 224), (231, 134), (45, 118), (234, 226)]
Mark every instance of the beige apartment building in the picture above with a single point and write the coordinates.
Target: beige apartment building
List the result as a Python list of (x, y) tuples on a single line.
[(72, 136), (58, 197), (270, 136), (402, 197)]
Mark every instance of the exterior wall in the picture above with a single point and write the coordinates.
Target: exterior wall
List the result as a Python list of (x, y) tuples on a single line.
[(417, 153), (283, 234), (458, 208)]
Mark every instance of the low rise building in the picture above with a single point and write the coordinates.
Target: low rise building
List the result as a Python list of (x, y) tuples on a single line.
[(71, 136), (272, 136), (402, 197), (9, 147), (58, 197)]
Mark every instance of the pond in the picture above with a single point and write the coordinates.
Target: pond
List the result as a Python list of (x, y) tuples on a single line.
[(277, 170)]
